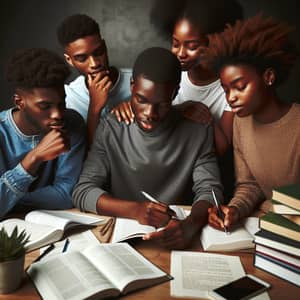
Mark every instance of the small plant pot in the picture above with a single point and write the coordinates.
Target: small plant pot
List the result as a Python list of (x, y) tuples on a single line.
[(11, 273)]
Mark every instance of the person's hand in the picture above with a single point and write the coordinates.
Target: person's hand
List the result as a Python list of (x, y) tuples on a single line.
[(154, 214), (195, 111), (51, 146), (178, 234), (123, 112), (231, 217), (99, 87)]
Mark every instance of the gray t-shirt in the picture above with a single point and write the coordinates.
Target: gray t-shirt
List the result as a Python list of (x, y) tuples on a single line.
[(175, 163)]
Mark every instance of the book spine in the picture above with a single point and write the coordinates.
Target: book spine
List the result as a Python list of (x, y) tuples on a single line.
[(277, 270)]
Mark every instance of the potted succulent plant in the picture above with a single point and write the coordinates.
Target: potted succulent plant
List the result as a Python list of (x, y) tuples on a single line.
[(12, 255)]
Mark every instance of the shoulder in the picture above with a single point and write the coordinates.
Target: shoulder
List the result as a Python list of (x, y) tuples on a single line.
[(77, 82), (4, 115), (74, 121)]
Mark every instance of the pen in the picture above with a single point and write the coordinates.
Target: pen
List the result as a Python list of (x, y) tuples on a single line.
[(50, 248), (67, 242), (220, 212), (170, 212)]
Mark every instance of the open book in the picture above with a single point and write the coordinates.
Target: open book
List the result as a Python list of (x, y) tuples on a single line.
[(126, 229), (240, 238), (104, 270), (48, 226)]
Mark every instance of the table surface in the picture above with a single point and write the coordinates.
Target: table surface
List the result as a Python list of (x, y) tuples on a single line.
[(280, 289)]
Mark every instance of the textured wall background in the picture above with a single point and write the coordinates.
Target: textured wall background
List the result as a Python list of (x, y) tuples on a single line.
[(124, 25)]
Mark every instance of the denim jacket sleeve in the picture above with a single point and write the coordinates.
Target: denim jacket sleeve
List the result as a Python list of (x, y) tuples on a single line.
[(14, 184)]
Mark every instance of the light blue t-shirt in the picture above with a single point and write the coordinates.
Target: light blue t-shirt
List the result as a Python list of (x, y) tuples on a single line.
[(78, 97), (53, 187)]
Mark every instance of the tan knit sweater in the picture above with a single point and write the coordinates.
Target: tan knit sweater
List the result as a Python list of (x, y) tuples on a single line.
[(266, 156)]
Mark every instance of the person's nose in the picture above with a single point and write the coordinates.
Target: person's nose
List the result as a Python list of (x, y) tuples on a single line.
[(93, 62), (181, 53), (231, 97), (57, 113), (151, 112)]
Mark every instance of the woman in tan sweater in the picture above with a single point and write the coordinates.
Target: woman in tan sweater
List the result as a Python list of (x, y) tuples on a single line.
[(253, 58)]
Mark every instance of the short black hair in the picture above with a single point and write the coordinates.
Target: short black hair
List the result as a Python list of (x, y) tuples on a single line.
[(259, 41), (37, 68), (75, 27), (158, 65), (208, 16)]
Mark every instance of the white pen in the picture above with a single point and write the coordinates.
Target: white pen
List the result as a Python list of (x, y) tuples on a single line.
[(170, 211), (149, 197), (220, 212)]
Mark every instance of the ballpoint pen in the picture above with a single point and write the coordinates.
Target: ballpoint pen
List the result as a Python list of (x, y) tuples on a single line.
[(67, 242), (50, 248), (220, 212)]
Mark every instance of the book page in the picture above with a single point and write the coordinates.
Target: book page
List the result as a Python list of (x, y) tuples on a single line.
[(40, 235), (69, 276), (122, 264), (128, 228), (195, 273), (239, 238)]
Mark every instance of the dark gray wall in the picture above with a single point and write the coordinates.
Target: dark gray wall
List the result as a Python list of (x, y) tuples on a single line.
[(124, 24)]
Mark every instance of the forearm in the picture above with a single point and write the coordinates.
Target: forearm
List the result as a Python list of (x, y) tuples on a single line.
[(111, 206), (198, 216), (93, 119), (222, 142)]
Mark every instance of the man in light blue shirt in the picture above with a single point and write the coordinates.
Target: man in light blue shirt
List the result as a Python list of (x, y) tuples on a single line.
[(42, 144), (101, 86)]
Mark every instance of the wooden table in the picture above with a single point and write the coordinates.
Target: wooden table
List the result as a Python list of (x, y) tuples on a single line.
[(281, 290)]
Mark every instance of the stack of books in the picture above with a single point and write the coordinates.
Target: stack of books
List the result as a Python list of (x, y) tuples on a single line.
[(277, 244)]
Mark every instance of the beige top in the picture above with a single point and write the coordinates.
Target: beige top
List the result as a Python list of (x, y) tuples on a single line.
[(266, 156)]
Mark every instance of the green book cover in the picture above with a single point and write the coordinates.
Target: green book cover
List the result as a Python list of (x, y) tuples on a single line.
[(288, 195), (281, 221)]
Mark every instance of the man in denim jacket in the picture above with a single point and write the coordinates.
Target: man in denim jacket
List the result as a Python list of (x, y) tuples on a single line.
[(41, 143)]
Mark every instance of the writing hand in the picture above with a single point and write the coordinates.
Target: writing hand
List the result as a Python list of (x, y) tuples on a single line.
[(231, 217), (153, 214), (123, 112)]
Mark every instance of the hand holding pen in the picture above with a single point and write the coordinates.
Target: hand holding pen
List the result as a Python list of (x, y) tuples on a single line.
[(157, 213), (220, 213)]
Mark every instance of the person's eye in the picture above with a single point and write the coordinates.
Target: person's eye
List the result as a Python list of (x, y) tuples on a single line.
[(80, 58), (99, 52), (241, 87), (44, 106), (193, 46), (175, 44)]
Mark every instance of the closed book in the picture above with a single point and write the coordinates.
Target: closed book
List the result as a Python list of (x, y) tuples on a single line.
[(280, 225), (285, 259), (278, 242), (276, 269), (279, 208), (288, 195)]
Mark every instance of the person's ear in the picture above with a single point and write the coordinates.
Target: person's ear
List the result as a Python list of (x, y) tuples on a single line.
[(269, 76), (18, 101), (68, 59)]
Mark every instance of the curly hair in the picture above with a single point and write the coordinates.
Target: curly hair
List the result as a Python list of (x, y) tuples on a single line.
[(36, 68), (208, 16), (75, 27), (258, 41)]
